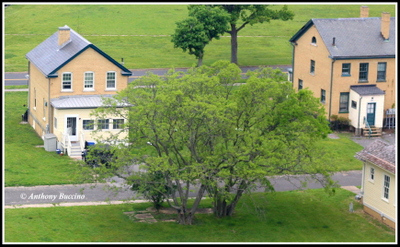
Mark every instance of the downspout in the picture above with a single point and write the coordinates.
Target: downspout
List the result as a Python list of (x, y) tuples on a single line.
[(359, 113), (29, 88), (293, 45), (48, 106), (330, 93)]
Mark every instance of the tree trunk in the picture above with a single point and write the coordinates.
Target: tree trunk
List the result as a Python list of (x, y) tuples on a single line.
[(200, 61), (234, 44)]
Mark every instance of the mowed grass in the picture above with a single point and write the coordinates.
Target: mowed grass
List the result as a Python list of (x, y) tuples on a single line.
[(294, 216), (147, 28), (26, 164)]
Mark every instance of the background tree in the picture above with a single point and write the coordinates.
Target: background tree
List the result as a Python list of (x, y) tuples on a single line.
[(194, 33), (241, 15), (202, 137)]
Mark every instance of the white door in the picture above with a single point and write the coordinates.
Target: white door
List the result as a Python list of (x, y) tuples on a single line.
[(71, 127)]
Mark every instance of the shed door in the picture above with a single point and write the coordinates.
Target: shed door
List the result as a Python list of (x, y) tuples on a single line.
[(371, 113)]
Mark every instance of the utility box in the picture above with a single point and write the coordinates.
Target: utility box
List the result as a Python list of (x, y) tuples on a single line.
[(50, 142)]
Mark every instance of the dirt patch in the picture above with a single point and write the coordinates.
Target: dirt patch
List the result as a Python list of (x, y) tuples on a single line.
[(164, 214)]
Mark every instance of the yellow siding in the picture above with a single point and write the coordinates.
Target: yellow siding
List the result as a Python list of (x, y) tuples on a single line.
[(373, 191), (88, 61), (82, 114), (38, 86)]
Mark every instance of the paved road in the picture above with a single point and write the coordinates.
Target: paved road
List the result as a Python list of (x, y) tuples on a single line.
[(101, 192), (20, 78)]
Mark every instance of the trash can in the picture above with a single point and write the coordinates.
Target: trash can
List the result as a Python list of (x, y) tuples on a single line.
[(58, 151)]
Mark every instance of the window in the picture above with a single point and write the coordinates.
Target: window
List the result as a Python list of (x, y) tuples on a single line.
[(354, 104), (363, 74), (344, 102), (314, 41), (323, 92), (55, 122), (111, 80), (312, 67), (117, 123), (88, 84), (88, 124), (386, 184), (372, 174), (67, 81), (381, 72), (346, 69), (103, 124), (300, 84)]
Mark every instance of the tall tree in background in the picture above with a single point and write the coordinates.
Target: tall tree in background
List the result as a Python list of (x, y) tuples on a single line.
[(203, 24), (241, 15)]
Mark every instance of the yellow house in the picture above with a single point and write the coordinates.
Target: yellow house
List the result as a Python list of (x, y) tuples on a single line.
[(379, 181), (68, 78), (350, 64)]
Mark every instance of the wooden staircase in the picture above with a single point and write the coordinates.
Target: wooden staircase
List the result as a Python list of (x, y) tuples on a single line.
[(375, 132)]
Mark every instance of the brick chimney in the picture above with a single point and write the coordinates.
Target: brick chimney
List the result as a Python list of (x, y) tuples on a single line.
[(63, 35), (385, 25), (364, 11)]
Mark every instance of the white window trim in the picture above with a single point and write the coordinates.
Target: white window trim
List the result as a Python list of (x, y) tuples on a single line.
[(383, 188), (94, 124), (115, 83), (62, 82), (123, 120), (84, 80), (369, 177), (109, 122)]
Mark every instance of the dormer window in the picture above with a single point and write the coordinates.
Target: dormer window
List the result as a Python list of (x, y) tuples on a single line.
[(313, 41)]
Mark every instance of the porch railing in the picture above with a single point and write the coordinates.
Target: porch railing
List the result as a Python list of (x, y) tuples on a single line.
[(82, 140), (67, 144), (368, 127)]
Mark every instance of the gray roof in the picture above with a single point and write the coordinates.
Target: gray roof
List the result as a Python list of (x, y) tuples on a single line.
[(381, 154), (49, 57), (80, 101), (367, 90), (354, 37)]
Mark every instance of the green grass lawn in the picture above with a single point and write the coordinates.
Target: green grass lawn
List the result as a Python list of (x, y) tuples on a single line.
[(26, 26), (26, 164), (294, 216)]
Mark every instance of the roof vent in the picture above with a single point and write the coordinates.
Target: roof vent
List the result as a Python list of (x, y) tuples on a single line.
[(334, 41)]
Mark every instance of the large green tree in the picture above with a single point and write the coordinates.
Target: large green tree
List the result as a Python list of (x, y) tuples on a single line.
[(243, 15), (194, 33), (201, 130)]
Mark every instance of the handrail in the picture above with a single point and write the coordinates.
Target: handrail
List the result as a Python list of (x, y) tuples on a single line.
[(68, 144), (369, 127), (82, 140)]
